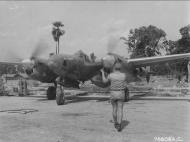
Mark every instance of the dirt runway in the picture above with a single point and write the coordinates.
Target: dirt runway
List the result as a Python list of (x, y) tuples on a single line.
[(35, 119)]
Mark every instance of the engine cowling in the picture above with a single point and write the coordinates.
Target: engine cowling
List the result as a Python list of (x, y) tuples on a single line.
[(108, 61)]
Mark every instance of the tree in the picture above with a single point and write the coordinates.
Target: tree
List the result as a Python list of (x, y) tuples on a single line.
[(172, 46), (184, 31), (182, 45), (144, 41), (147, 41), (56, 33)]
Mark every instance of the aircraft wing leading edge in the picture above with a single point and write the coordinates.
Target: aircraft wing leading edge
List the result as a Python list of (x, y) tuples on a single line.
[(139, 62), (10, 63)]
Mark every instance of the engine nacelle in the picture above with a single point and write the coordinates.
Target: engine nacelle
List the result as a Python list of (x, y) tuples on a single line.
[(109, 61)]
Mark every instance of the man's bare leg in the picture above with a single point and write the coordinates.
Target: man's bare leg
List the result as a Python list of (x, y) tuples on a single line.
[(119, 113), (114, 112)]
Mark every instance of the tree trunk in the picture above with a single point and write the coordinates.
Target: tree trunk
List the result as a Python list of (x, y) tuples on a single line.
[(58, 45)]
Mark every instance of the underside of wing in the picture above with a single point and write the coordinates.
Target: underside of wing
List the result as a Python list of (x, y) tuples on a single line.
[(139, 62)]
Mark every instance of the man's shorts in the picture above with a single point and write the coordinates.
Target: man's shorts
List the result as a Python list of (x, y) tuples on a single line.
[(117, 95)]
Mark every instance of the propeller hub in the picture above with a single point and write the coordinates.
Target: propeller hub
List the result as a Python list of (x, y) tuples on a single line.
[(28, 66)]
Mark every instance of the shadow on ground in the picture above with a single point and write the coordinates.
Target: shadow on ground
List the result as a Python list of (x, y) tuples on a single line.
[(124, 123), (77, 114)]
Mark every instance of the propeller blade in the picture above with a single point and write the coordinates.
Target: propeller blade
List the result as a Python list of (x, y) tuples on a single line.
[(15, 56), (40, 48)]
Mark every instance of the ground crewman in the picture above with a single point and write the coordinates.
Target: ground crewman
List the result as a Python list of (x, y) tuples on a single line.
[(22, 87), (118, 83)]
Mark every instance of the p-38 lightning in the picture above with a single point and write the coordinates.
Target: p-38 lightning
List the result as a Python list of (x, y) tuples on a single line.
[(69, 70)]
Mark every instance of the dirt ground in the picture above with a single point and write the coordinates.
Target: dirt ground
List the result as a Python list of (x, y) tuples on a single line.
[(35, 119)]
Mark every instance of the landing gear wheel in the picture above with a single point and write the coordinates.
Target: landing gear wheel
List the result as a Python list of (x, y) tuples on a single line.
[(126, 94), (20, 94), (51, 93), (60, 98)]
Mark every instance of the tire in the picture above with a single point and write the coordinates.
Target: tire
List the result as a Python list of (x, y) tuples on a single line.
[(51, 93), (20, 94), (60, 96), (126, 95)]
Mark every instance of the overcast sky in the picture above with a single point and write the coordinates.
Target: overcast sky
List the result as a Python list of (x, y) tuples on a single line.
[(89, 26)]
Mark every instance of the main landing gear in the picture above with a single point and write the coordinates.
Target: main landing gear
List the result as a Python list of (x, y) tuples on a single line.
[(51, 93), (56, 93), (60, 95), (126, 94)]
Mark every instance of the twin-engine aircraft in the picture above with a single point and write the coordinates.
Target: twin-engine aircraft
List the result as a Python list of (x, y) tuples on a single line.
[(69, 70)]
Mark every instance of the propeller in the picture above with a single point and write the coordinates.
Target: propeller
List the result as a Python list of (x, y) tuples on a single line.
[(31, 62), (14, 56), (39, 50)]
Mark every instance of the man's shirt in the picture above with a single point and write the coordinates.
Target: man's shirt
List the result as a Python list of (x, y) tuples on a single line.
[(118, 81)]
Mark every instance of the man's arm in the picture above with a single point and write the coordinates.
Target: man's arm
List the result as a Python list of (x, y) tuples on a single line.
[(104, 78)]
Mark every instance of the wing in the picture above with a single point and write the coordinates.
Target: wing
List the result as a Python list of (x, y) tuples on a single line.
[(139, 62), (10, 63)]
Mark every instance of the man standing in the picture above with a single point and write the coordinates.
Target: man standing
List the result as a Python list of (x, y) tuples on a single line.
[(22, 87), (117, 81)]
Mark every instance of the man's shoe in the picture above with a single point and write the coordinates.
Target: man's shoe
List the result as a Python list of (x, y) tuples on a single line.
[(119, 128), (116, 125)]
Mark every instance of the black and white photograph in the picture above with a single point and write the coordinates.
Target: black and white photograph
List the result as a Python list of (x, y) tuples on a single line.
[(94, 71)]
